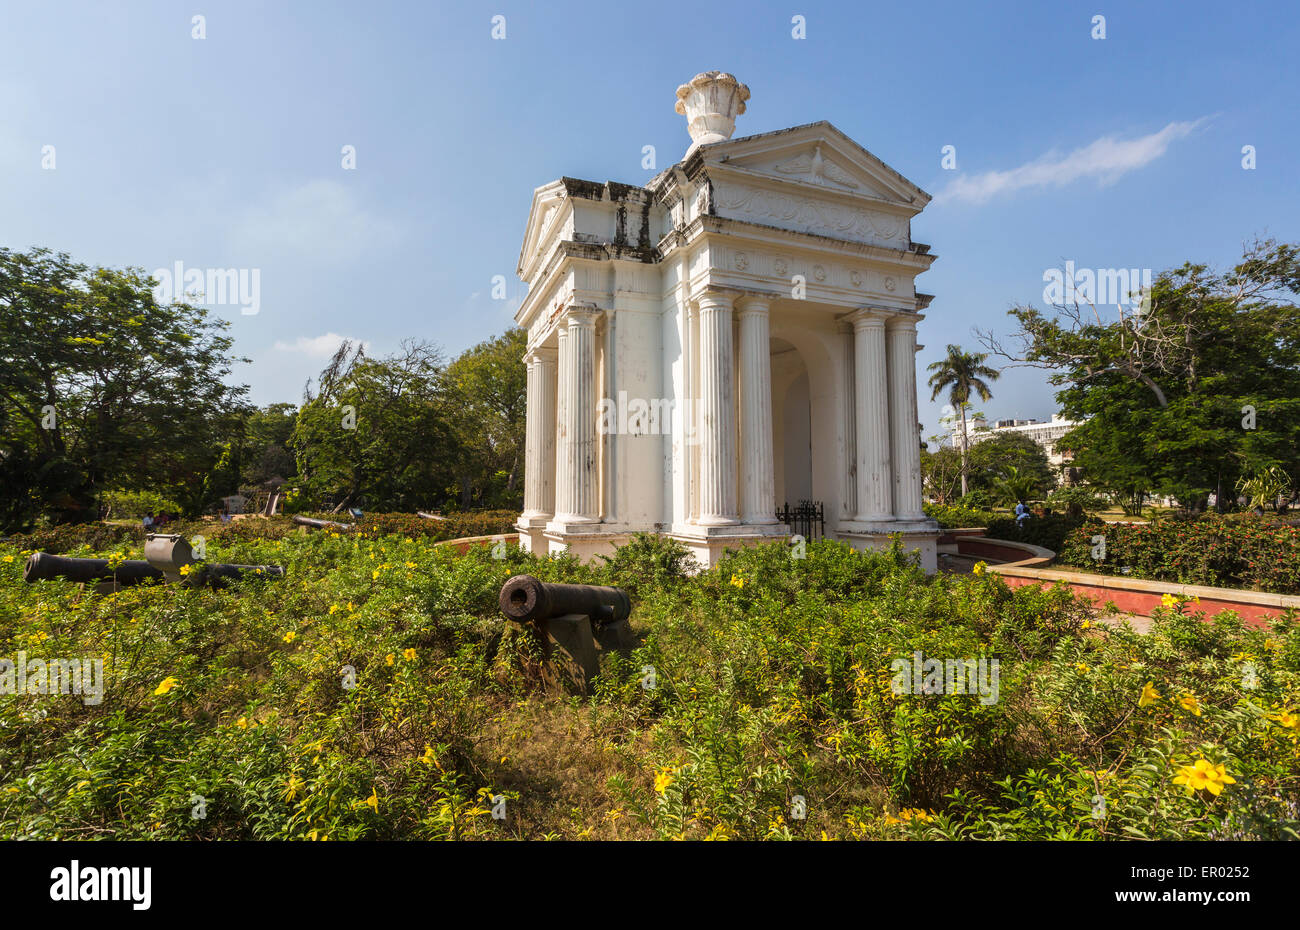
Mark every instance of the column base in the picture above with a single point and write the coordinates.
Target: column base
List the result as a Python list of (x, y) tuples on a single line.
[(921, 536)]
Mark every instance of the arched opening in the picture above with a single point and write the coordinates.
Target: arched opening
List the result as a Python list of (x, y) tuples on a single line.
[(791, 425)]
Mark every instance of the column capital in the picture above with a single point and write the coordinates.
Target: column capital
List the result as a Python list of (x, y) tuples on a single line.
[(542, 353), (754, 303), (867, 318), (715, 298), (586, 313), (904, 321)]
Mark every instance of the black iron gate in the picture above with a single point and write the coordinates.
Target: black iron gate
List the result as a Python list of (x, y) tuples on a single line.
[(806, 518)]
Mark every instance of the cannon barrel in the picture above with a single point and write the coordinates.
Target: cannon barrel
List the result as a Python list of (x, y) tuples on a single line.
[(527, 600), (321, 524), (42, 566)]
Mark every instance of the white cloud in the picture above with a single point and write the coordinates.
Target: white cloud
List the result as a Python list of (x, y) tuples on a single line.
[(1107, 159), (321, 219), (315, 346)]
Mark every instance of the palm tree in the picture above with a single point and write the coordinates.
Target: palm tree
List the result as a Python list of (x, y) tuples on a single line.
[(960, 373)]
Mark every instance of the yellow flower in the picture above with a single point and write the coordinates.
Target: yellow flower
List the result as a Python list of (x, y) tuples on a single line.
[(909, 813), (1188, 702), (980, 568), (1081, 668), (428, 758), (1204, 776), (185, 569), (334, 608), (1149, 695), (410, 565), (166, 685), (290, 636), (1169, 600), (1288, 719), (372, 802), (389, 659), (663, 779), (9, 558), (374, 575), (242, 723), (408, 655), (737, 581), (1087, 624)]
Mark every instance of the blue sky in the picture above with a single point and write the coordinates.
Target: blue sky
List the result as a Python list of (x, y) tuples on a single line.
[(1123, 152)]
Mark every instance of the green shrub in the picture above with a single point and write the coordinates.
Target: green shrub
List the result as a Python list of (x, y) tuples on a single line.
[(375, 693), (956, 515), (1235, 552), (1049, 531)]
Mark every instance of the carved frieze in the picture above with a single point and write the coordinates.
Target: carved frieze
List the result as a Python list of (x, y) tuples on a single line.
[(806, 214)]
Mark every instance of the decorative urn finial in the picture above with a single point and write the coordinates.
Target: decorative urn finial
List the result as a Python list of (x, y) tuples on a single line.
[(711, 101)]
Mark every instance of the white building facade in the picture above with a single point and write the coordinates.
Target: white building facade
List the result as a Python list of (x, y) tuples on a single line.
[(1045, 434), (736, 335)]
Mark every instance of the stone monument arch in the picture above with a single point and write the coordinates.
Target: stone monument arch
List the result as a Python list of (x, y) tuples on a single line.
[(739, 330)]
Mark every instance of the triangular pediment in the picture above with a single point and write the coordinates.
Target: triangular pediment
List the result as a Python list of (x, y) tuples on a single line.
[(816, 158), (548, 209)]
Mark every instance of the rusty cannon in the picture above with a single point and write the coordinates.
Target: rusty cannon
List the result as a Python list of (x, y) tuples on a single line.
[(525, 599), (576, 623), (42, 566), (165, 555), (318, 524)]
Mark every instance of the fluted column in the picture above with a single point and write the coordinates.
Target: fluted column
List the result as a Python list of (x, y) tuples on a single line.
[(757, 474), (875, 485), (905, 441), (539, 452), (559, 445), (717, 472), (849, 461), (577, 480)]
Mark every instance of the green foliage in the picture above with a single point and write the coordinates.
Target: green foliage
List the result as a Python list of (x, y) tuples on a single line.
[(772, 678), (956, 515), (1049, 531), (1264, 487), (101, 387), (1187, 396), (133, 505), (1245, 552)]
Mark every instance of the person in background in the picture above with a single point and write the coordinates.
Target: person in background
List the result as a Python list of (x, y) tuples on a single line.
[(1022, 514), (148, 522)]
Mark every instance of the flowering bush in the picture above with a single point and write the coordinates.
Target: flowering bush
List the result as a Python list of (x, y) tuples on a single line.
[(1236, 553), (373, 693)]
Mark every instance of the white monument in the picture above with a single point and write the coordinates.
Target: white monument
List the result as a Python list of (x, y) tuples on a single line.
[(736, 336)]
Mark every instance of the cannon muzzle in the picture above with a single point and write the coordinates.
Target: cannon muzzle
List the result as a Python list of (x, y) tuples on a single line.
[(527, 600)]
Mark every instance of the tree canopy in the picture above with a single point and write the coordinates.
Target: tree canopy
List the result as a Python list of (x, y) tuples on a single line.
[(1186, 394)]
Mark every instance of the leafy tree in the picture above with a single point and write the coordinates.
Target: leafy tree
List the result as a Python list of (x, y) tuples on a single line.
[(961, 373), (377, 431), (941, 473), (1003, 455), (102, 387), (266, 455), (487, 387), (1184, 395)]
